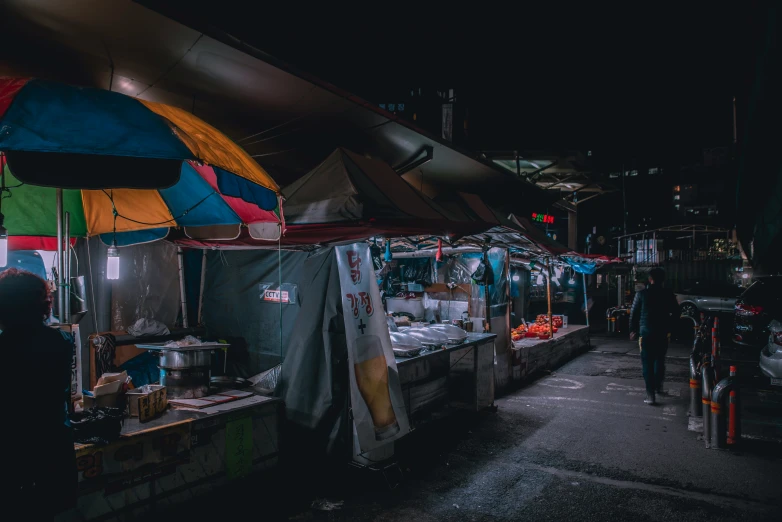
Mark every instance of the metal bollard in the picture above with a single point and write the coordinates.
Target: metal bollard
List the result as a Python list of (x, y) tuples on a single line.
[(719, 425), (707, 381), (696, 406), (611, 320), (733, 438)]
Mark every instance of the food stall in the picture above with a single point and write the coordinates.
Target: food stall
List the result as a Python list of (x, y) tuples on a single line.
[(134, 449)]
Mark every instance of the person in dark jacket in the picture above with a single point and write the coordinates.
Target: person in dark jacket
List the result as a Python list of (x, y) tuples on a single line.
[(37, 360), (651, 320)]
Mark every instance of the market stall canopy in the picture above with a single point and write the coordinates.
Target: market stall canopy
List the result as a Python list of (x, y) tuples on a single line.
[(198, 203), (349, 197), (350, 190), (588, 263)]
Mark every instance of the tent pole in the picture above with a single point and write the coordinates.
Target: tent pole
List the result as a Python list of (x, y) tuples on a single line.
[(182, 294), (60, 299), (66, 258), (201, 290), (548, 296), (487, 303), (586, 303)]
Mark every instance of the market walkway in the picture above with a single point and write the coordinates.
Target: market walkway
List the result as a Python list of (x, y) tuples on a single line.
[(578, 444)]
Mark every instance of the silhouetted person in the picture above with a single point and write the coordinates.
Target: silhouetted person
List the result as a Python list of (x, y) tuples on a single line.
[(37, 361), (651, 320)]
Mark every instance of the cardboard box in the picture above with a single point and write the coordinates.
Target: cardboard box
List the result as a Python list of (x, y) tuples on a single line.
[(147, 402)]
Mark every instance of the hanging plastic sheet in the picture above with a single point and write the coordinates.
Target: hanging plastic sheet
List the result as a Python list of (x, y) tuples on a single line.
[(315, 379), (148, 286), (242, 305), (581, 265)]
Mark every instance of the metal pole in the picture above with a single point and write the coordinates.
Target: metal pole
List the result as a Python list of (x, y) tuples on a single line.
[(624, 202), (201, 290), (182, 294), (548, 295), (586, 305), (60, 299), (67, 269), (707, 381), (487, 307)]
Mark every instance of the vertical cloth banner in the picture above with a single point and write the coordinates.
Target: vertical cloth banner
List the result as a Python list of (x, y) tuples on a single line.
[(375, 392)]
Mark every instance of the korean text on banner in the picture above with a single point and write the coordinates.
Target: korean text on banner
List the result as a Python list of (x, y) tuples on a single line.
[(375, 393)]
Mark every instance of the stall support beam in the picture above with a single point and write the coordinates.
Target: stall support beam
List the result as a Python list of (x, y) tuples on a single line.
[(487, 302), (548, 298), (572, 229), (60, 297), (66, 294), (586, 302), (201, 289), (182, 293)]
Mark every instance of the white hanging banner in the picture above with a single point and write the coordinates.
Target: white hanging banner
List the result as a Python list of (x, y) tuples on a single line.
[(375, 393)]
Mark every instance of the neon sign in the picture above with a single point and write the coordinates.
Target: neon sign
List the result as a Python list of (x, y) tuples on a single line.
[(542, 218)]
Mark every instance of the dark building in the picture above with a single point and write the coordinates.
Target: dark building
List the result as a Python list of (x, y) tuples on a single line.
[(436, 110)]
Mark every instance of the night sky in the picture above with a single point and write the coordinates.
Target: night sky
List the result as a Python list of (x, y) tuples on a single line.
[(626, 82)]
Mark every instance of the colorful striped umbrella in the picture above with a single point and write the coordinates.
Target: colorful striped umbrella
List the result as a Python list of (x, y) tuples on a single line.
[(107, 150)]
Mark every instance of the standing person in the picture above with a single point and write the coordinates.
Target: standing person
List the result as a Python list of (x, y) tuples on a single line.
[(651, 320), (38, 362)]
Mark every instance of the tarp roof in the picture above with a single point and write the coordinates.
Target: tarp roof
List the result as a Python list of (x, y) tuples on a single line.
[(349, 197), (347, 187)]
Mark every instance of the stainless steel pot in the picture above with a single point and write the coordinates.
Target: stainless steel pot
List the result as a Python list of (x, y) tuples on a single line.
[(185, 359), (185, 384)]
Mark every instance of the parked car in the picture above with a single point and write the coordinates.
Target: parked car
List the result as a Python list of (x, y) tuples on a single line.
[(755, 309), (709, 298), (771, 354)]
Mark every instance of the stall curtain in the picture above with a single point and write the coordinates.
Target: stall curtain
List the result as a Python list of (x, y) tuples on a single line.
[(315, 377), (235, 310)]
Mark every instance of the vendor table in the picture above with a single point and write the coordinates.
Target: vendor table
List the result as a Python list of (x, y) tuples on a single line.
[(533, 355), (460, 375), (175, 457)]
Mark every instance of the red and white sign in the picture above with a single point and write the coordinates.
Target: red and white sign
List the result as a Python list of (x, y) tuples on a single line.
[(274, 296)]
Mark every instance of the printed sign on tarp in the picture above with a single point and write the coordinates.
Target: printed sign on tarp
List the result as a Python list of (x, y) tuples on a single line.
[(287, 293), (375, 393)]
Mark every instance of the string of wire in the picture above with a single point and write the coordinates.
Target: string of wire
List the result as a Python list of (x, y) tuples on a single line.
[(110, 195)]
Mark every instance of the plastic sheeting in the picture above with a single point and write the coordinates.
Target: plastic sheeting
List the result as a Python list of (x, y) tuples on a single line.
[(148, 285), (315, 383), (235, 308)]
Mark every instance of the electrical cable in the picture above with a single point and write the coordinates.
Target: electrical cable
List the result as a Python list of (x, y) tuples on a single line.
[(170, 68), (285, 122), (173, 219)]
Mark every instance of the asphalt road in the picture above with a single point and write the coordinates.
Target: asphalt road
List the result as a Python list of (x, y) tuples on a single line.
[(578, 444)]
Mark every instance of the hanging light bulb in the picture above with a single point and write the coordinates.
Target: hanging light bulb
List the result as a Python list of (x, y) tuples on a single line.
[(539, 280), (516, 277), (112, 262), (557, 272), (572, 280), (112, 254), (3, 243), (439, 255)]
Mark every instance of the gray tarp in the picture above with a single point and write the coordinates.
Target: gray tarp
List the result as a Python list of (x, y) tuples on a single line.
[(234, 308), (315, 382)]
